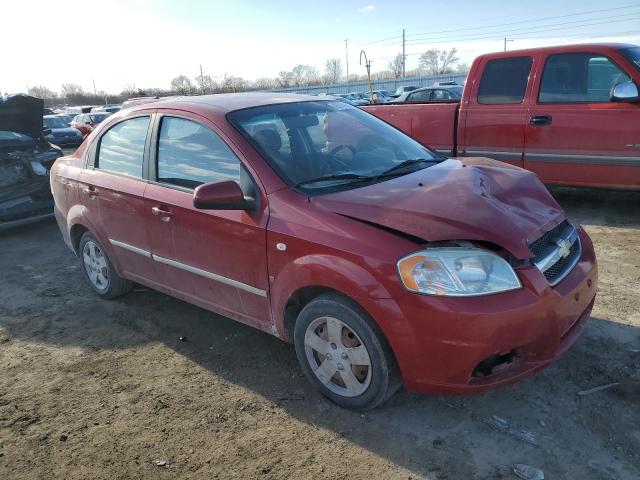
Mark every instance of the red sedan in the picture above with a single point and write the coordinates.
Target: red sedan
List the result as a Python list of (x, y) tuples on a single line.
[(86, 122), (384, 263)]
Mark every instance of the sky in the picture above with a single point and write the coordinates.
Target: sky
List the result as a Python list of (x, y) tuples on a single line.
[(146, 43)]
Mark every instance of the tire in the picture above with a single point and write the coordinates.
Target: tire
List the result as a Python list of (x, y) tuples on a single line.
[(334, 365), (98, 269)]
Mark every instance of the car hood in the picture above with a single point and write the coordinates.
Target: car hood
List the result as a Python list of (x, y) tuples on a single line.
[(21, 113), (459, 199)]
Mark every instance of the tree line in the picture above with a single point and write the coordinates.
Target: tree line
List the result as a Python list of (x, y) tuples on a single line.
[(431, 62)]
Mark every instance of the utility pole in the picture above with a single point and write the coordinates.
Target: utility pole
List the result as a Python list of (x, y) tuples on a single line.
[(201, 80), (404, 57), (505, 43), (367, 64), (346, 49)]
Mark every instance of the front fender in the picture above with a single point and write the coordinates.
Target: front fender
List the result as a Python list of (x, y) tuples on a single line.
[(322, 270)]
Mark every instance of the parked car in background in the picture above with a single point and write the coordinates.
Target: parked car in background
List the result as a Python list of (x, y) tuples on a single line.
[(571, 114), (383, 262), (431, 94), (86, 122), (60, 133), (25, 159), (383, 96), (355, 98), (106, 108), (404, 89), (47, 111), (67, 118)]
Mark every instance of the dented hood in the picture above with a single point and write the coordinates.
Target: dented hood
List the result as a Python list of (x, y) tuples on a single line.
[(458, 199), (21, 113)]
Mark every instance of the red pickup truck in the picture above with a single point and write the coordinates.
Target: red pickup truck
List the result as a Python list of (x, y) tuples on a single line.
[(570, 114)]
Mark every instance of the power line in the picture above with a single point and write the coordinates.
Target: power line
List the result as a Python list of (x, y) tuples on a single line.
[(423, 34), (529, 21)]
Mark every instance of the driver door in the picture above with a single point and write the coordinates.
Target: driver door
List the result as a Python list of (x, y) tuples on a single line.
[(213, 258)]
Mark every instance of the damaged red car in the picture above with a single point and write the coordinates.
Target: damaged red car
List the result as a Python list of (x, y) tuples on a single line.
[(383, 262)]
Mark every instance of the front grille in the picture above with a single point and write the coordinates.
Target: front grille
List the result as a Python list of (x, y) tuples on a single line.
[(557, 252)]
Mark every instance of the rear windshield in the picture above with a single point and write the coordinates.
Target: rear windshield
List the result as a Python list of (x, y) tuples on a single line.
[(314, 142), (633, 55), (54, 122)]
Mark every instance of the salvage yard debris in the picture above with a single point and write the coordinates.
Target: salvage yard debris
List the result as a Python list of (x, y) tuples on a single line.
[(528, 473), (502, 425), (597, 389)]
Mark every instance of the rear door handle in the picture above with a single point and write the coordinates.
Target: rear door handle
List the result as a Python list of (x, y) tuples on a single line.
[(91, 191), (164, 215), (540, 120)]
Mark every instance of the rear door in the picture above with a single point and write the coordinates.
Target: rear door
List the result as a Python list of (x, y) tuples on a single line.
[(112, 190), (214, 258), (495, 115), (575, 135)]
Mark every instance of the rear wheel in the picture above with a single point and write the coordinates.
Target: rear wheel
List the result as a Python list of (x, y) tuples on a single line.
[(99, 271), (344, 353)]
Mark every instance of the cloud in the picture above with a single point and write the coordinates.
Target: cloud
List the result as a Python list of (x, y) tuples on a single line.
[(368, 9)]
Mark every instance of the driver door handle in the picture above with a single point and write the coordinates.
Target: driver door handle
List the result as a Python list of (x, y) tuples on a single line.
[(540, 120), (164, 215)]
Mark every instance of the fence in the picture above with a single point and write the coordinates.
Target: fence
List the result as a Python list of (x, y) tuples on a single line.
[(391, 84)]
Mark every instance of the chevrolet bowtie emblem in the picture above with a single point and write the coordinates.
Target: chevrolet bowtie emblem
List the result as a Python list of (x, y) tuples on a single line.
[(564, 248)]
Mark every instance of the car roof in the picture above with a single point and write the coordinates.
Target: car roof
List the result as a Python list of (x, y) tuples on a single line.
[(228, 102), (575, 48)]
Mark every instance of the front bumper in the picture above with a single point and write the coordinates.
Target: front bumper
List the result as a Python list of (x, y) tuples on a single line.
[(32, 205), (441, 342)]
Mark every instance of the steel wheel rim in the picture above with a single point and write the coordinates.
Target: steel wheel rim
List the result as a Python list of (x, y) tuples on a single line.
[(337, 356), (95, 266)]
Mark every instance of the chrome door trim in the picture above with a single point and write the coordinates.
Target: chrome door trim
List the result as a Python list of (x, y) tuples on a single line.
[(584, 159), (210, 275), (130, 248), (497, 155)]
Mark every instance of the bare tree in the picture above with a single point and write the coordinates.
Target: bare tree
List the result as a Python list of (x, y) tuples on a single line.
[(71, 90), (265, 83), (438, 62), (395, 65), (182, 85), (285, 79), (303, 75), (41, 92), (333, 70), (462, 68), (206, 84)]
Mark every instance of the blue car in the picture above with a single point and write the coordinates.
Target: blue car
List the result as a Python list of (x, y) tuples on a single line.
[(61, 133)]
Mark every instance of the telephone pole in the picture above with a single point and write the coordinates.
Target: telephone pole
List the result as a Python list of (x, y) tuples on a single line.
[(505, 43), (404, 57), (346, 49)]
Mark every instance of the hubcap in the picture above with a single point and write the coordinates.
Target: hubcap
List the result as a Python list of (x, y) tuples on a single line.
[(95, 264), (337, 356)]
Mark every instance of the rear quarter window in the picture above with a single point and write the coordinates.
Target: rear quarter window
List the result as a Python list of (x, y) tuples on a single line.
[(121, 148), (504, 81)]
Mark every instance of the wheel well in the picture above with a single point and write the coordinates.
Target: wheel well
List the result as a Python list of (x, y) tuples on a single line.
[(297, 302), (76, 234)]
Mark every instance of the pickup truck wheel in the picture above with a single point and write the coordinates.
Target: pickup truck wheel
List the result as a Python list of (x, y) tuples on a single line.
[(344, 353), (99, 271)]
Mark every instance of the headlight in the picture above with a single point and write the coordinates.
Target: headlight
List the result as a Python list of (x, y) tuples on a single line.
[(38, 168), (457, 272)]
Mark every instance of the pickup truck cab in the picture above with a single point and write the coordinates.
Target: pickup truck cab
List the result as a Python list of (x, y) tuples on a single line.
[(571, 114)]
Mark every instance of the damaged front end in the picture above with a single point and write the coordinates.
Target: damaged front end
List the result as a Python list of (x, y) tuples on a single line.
[(25, 161)]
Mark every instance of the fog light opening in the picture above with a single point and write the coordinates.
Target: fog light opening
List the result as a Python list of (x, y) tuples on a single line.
[(494, 364)]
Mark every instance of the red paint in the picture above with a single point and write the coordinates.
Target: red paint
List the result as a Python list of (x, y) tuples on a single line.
[(584, 130), (349, 242)]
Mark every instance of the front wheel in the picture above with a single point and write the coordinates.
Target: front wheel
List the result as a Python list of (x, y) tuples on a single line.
[(343, 352)]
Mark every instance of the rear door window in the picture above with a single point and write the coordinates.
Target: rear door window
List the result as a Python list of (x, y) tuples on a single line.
[(579, 78), (190, 154), (422, 96), (121, 148), (504, 81)]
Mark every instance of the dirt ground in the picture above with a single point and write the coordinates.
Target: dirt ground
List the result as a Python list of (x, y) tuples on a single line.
[(95, 389)]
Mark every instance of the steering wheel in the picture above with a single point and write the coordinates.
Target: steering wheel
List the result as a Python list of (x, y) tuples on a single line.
[(330, 161)]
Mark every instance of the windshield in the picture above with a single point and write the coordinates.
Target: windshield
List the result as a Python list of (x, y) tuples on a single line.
[(456, 91), (98, 117), (328, 145), (633, 55), (7, 136), (54, 122)]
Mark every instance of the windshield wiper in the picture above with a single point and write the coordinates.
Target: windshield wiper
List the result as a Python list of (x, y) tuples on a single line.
[(400, 168), (337, 176)]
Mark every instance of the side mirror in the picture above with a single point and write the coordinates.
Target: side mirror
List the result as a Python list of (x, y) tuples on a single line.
[(225, 195), (46, 131), (625, 92)]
